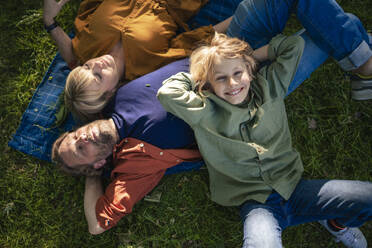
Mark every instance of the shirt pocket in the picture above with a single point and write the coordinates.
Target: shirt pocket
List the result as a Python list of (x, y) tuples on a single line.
[(160, 10)]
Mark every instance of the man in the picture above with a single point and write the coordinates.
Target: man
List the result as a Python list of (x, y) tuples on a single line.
[(145, 140)]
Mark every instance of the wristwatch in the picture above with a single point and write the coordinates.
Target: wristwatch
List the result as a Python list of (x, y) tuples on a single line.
[(51, 26)]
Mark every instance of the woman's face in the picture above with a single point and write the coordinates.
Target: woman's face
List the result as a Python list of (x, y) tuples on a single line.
[(104, 73)]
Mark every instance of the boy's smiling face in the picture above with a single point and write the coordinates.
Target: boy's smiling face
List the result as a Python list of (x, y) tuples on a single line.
[(231, 80)]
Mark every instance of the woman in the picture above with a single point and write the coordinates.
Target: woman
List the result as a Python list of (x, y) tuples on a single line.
[(118, 41)]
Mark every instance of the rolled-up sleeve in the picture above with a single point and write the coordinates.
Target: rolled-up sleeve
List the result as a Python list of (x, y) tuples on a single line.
[(121, 195), (139, 166)]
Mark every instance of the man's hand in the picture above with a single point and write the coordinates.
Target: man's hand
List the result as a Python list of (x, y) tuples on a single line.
[(51, 10)]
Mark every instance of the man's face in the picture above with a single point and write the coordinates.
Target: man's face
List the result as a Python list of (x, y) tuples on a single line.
[(90, 144)]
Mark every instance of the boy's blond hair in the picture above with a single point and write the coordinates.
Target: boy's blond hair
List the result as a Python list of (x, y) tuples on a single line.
[(203, 59), (83, 103)]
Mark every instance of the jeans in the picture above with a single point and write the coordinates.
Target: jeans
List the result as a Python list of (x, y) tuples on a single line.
[(348, 202), (329, 31)]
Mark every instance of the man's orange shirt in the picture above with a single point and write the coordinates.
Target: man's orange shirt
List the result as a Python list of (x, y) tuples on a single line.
[(139, 166)]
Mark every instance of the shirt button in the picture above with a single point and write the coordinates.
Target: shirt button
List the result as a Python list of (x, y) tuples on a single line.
[(161, 153), (126, 141), (141, 145), (178, 160)]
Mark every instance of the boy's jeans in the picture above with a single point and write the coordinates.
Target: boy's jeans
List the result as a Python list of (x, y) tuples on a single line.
[(332, 31), (349, 202)]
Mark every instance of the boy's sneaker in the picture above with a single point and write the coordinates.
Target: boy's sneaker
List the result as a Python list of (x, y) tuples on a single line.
[(351, 237), (361, 87)]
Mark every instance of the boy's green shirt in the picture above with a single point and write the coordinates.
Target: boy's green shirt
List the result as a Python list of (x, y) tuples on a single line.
[(247, 148)]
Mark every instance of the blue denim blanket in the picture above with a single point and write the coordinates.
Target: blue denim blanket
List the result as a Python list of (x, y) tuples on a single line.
[(36, 134)]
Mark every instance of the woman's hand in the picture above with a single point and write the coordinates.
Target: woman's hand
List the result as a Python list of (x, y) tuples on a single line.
[(51, 10)]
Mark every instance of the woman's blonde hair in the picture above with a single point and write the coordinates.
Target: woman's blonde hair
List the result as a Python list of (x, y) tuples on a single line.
[(203, 59), (83, 103)]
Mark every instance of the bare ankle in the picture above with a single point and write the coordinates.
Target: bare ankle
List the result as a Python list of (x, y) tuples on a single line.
[(365, 69)]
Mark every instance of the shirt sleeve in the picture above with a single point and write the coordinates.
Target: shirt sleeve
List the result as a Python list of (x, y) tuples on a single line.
[(89, 40), (285, 52), (121, 195), (177, 97)]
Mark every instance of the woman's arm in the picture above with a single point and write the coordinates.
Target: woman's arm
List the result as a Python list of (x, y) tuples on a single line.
[(63, 41)]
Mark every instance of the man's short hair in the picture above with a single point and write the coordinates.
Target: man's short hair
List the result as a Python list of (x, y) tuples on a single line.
[(81, 170)]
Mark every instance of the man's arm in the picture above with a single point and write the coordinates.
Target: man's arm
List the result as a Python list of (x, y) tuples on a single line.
[(93, 190), (63, 41)]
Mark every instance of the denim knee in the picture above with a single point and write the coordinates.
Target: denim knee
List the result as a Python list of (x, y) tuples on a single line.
[(359, 199)]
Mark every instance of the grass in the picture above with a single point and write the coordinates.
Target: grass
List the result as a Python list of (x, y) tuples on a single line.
[(41, 208)]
